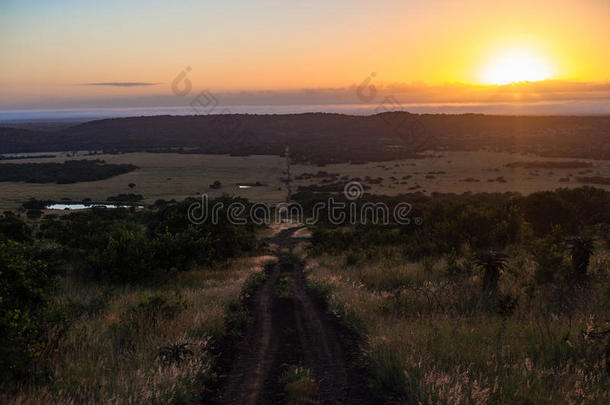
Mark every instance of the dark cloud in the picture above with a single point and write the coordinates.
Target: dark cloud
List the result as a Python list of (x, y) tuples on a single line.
[(120, 84)]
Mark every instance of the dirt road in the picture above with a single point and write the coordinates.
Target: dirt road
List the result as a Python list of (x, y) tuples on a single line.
[(291, 328)]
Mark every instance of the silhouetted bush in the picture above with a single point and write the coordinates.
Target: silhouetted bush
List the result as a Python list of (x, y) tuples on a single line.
[(126, 256), (14, 228), (24, 309), (34, 214)]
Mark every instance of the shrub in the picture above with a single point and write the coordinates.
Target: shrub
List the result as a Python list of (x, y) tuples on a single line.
[(24, 309), (548, 253), (452, 268), (13, 228), (34, 214), (128, 256), (549, 263), (121, 246)]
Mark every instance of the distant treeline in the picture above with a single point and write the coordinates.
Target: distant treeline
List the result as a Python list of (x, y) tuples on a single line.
[(71, 171), (325, 138)]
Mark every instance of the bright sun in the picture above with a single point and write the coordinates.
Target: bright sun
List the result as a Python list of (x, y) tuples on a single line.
[(515, 65)]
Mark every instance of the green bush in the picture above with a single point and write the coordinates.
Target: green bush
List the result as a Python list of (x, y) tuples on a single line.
[(183, 249), (452, 268), (550, 261), (14, 228), (127, 256), (34, 214), (122, 246), (24, 309)]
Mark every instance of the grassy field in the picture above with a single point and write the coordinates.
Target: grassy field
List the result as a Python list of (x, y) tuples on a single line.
[(461, 171), (430, 341), (162, 176), (167, 176), (126, 346)]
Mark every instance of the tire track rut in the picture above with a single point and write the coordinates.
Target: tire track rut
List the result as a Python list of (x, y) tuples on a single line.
[(293, 331)]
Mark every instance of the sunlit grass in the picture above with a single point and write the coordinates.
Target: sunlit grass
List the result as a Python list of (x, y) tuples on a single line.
[(431, 341), (110, 355)]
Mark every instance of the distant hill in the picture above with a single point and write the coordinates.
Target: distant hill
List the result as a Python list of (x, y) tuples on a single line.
[(321, 137), (15, 140)]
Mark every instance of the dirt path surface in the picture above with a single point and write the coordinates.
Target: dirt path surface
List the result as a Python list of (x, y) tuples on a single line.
[(293, 330)]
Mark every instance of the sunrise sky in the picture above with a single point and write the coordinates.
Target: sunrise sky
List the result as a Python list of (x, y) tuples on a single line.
[(70, 53)]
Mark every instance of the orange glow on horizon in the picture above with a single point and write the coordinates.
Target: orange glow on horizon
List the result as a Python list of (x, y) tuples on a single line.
[(49, 53)]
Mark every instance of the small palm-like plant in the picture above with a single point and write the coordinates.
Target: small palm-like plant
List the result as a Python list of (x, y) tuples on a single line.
[(581, 249), (492, 262)]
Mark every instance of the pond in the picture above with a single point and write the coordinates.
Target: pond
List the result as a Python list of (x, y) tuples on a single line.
[(87, 206)]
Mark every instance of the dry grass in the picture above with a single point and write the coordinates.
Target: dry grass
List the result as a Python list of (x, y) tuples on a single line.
[(451, 167), (171, 175), (111, 357), (162, 176), (431, 341)]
